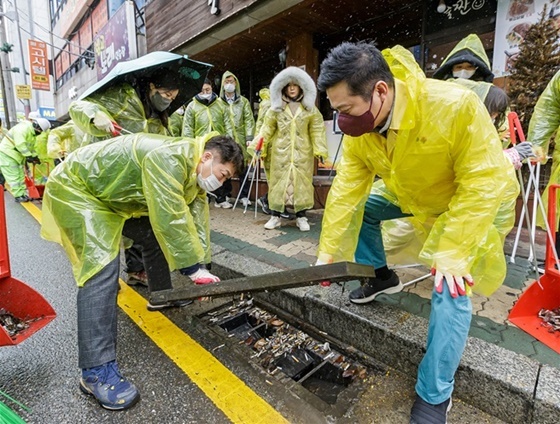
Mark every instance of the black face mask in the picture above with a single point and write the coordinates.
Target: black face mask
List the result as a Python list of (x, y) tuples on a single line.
[(159, 102)]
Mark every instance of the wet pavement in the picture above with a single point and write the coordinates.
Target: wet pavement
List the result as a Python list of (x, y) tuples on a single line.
[(42, 372)]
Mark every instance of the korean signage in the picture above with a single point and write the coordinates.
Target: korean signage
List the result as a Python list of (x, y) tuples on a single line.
[(458, 13), (39, 65), (513, 19), (116, 41), (47, 113), (23, 92)]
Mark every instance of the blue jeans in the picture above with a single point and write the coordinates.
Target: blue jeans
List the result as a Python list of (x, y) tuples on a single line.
[(450, 318)]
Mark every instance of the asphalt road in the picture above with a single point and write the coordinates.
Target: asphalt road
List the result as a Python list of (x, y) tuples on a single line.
[(203, 382)]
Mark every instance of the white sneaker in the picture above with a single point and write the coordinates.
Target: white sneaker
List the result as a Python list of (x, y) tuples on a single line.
[(302, 223), (224, 205), (273, 222), (246, 202)]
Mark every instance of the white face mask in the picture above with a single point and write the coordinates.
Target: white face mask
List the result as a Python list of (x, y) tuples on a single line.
[(210, 183), (205, 96), (230, 88), (464, 73)]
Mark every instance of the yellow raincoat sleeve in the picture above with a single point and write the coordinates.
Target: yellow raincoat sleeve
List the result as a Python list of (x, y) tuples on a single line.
[(82, 113), (164, 178), (56, 142), (200, 212), (23, 137), (345, 204), (546, 116), (480, 176), (267, 132), (248, 119), (189, 121), (228, 123), (318, 134)]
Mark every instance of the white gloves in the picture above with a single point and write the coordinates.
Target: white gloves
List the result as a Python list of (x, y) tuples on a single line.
[(203, 276), (456, 284), (103, 122)]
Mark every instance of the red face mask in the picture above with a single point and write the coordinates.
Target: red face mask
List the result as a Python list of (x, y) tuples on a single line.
[(356, 126)]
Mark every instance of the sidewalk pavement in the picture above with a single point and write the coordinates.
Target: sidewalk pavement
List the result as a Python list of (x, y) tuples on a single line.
[(504, 371)]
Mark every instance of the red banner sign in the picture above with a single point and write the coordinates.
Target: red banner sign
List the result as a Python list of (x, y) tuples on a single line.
[(39, 65)]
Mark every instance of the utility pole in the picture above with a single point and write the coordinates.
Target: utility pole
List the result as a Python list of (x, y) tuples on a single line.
[(26, 104), (8, 87)]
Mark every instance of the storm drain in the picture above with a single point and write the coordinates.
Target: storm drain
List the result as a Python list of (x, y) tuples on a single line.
[(283, 350)]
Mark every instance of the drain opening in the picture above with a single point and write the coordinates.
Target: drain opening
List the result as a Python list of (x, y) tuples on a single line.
[(284, 350)]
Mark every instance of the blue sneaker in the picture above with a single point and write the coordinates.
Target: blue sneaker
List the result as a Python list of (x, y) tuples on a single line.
[(108, 386)]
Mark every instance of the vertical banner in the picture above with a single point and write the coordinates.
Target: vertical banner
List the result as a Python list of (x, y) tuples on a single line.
[(513, 19), (116, 41), (39, 65)]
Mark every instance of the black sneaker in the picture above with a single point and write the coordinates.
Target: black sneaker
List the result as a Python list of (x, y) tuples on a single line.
[(263, 203), (426, 413), (22, 199), (172, 304), (375, 286)]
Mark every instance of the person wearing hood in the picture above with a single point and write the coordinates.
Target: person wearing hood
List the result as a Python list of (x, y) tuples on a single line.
[(140, 106), (206, 113), (446, 170), (242, 121), (467, 60), (150, 188), (17, 148), (294, 134)]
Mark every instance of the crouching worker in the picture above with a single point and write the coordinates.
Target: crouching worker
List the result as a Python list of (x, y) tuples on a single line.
[(88, 202)]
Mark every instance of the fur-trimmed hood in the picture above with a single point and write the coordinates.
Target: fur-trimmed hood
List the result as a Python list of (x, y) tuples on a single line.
[(297, 76)]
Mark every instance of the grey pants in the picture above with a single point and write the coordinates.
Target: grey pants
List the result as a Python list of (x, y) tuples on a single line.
[(97, 299), (97, 317)]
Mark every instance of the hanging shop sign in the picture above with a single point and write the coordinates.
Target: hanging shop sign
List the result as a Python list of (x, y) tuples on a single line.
[(39, 65), (116, 41)]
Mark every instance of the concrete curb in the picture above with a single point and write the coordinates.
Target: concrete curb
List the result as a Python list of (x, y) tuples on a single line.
[(505, 384)]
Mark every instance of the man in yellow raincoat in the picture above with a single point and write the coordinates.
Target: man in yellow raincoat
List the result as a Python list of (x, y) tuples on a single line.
[(445, 169), (242, 121), (88, 203), (18, 147), (545, 121)]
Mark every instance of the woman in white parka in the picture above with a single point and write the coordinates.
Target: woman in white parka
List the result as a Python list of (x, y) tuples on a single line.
[(293, 133)]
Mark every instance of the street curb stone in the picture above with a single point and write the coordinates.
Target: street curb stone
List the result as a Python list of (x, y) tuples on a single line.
[(505, 384)]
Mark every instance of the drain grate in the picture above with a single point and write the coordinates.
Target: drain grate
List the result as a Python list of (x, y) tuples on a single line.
[(283, 350)]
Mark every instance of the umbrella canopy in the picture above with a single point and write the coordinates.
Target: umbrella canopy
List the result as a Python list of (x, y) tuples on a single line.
[(187, 73)]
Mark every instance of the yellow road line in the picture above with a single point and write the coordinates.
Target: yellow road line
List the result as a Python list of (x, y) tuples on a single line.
[(225, 389), (230, 394), (33, 210)]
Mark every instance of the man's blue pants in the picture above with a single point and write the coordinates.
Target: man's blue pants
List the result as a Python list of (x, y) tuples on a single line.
[(450, 318)]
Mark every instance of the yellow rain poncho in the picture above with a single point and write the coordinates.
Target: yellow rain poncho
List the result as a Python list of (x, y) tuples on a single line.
[(97, 188), (292, 139), (545, 121), (240, 116), (264, 105), (122, 104), (65, 139), (444, 168), (202, 117)]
